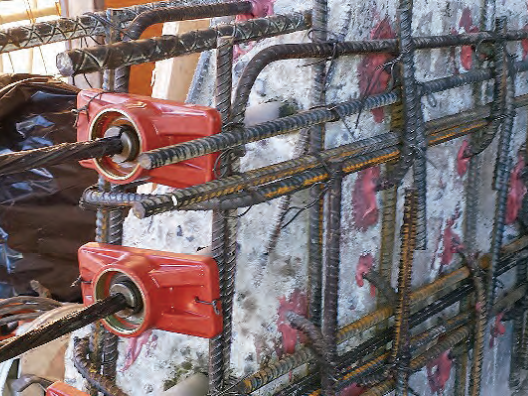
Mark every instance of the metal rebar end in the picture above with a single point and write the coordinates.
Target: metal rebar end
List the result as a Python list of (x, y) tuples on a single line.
[(145, 162), (65, 63)]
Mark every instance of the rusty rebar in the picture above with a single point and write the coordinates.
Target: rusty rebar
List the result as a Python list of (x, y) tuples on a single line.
[(513, 254), (388, 218), (501, 75), (131, 53), (448, 342), (400, 354), (329, 327), (289, 185), (312, 332), (413, 136), (199, 147), (481, 309)]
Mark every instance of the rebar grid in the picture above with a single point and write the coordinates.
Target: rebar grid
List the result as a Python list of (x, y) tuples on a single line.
[(286, 178)]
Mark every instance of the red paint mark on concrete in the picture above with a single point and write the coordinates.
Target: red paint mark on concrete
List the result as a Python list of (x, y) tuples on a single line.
[(516, 192), (373, 78), (438, 372), (462, 160), (466, 21), (261, 8), (364, 265), (364, 202), (296, 303), (135, 346), (524, 44), (466, 53), (451, 241), (352, 390), (497, 329)]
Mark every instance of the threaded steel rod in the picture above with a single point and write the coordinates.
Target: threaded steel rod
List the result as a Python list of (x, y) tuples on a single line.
[(23, 161), (289, 185), (51, 331)]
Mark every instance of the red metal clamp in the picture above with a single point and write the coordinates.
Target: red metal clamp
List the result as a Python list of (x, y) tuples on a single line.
[(61, 389), (167, 291), (144, 124)]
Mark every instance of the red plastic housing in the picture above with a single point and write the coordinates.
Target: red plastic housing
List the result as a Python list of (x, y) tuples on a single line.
[(158, 123), (180, 292), (61, 389)]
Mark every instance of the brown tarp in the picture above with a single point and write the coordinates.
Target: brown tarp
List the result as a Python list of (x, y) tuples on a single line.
[(39, 210)]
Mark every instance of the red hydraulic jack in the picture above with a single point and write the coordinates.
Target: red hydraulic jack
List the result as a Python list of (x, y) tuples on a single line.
[(61, 389), (144, 124), (167, 291)]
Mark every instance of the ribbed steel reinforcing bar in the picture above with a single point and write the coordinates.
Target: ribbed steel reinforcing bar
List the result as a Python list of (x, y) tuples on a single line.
[(63, 29), (76, 62), (116, 55), (198, 147), (332, 264)]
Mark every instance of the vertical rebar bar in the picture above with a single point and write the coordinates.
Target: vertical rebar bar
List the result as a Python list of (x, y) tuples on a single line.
[(224, 244), (388, 220), (481, 308), (113, 218), (401, 354), (331, 278), (461, 365), (317, 143), (414, 134), (502, 168)]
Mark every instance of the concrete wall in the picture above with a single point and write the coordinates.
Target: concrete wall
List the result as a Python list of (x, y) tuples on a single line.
[(159, 360)]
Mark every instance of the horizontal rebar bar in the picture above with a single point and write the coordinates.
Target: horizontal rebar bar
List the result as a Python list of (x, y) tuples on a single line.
[(116, 55), (223, 141), (128, 54), (63, 29), (298, 182)]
